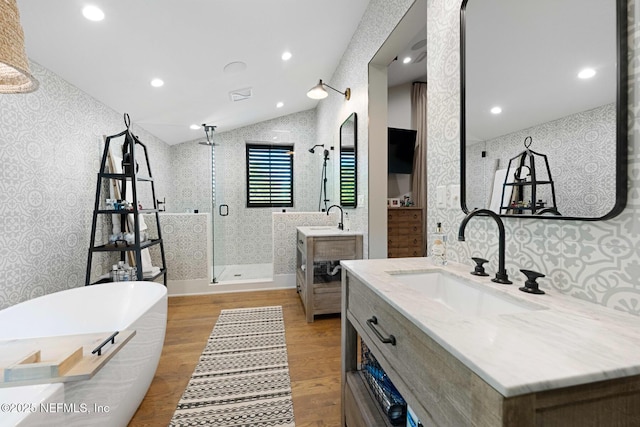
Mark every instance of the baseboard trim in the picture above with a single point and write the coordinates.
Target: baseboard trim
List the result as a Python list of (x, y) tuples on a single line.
[(205, 287)]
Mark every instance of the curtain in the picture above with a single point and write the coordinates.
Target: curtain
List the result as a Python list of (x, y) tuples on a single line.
[(419, 176)]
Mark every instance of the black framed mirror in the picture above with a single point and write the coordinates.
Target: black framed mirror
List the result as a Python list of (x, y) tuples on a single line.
[(544, 77), (349, 162)]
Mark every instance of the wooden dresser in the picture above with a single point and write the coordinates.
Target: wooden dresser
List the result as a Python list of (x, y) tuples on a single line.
[(404, 232)]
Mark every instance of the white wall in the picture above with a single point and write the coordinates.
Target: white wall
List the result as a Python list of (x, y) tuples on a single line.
[(400, 115)]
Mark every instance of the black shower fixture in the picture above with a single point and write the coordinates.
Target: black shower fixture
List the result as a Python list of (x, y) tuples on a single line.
[(209, 131), (313, 149)]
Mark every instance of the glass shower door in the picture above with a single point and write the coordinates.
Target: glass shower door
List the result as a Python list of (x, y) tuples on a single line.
[(219, 212)]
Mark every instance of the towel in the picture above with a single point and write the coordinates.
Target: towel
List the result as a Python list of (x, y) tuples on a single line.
[(496, 191)]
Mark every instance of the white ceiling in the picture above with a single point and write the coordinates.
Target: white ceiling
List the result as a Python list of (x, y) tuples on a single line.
[(399, 73), (188, 43), (524, 56)]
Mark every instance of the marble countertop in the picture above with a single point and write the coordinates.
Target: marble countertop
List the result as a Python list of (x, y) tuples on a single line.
[(325, 230), (564, 343)]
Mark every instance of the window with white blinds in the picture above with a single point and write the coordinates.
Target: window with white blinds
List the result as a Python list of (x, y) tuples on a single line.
[(348, 177), (269, 175)]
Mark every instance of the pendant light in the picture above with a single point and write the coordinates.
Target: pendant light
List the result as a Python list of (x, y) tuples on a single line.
[(15, 76)]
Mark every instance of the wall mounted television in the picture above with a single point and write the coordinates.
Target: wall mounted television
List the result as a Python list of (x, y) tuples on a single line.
[(401, 147)]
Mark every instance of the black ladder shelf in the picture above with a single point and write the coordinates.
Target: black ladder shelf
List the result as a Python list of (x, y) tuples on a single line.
[(128, 177)]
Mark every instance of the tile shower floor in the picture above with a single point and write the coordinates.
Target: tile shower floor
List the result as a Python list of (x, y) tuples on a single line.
[(246, 273)]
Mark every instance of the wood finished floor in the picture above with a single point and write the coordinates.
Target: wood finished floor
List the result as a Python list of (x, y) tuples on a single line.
[(313, 351)]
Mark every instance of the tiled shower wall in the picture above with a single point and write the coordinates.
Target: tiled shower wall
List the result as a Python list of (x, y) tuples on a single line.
[(51, 144), (594, 261), (246, 233)]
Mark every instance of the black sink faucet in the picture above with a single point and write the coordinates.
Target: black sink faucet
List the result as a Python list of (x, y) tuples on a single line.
[(501, 275), (341, 224)]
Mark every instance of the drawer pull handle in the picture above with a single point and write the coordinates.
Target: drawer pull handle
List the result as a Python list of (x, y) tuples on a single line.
[(374, 321)]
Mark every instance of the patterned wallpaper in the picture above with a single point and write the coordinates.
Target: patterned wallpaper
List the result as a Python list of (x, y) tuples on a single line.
[(379, 20), (594, 261), (580, 157), (50, 150)]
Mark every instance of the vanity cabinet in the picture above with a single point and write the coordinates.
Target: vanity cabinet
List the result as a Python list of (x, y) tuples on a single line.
[(404, 232), (443, 391), (318, 254)]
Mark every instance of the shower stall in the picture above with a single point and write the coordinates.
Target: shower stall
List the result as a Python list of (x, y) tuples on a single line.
[(241, 236)]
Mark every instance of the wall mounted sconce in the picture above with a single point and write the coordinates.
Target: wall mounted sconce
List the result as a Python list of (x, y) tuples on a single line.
[(319, 92), (15, 76)]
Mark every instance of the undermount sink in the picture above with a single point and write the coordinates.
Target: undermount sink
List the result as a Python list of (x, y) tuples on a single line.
[(466, 298)]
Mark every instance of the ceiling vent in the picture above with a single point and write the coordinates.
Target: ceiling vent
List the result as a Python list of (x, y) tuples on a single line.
[(421, 56), (240, 94)]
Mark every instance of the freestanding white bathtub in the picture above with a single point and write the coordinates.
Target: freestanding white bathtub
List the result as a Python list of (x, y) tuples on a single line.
[(122, 383)]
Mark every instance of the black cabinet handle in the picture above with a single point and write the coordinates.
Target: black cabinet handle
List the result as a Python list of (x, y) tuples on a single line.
[(374, 321), (111, 339)]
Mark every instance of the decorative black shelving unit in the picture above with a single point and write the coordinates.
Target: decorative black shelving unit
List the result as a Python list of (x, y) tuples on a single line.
[(128, 178), (526, 185)]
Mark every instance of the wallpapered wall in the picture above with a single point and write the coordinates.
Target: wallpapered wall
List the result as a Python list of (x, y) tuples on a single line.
[(51, 143), (379, 20), (594, 261), (581, 157), (245, 235)]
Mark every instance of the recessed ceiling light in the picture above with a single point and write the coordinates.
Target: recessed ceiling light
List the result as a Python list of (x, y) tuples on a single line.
[(406, 60), (194, 127), (280, 104), (286, 56), (496, 110), (157, 82), (586, 73), (93, 13)]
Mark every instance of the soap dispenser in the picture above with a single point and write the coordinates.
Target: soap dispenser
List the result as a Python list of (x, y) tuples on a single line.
[(439, 246)]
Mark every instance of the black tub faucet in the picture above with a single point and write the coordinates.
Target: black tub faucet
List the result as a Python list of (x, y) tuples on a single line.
[(341, 224), (501, 275)]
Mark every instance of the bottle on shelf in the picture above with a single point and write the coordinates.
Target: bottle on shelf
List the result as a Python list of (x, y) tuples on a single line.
[(439, 246), (114, 273)]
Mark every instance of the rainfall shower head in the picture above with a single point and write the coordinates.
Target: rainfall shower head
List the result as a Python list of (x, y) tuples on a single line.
[(312, 149), (208, 130)]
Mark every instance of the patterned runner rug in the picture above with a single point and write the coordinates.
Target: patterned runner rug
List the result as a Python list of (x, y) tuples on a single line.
[(242, 378)]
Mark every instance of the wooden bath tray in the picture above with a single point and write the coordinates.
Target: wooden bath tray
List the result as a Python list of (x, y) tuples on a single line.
[(56, 359)]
